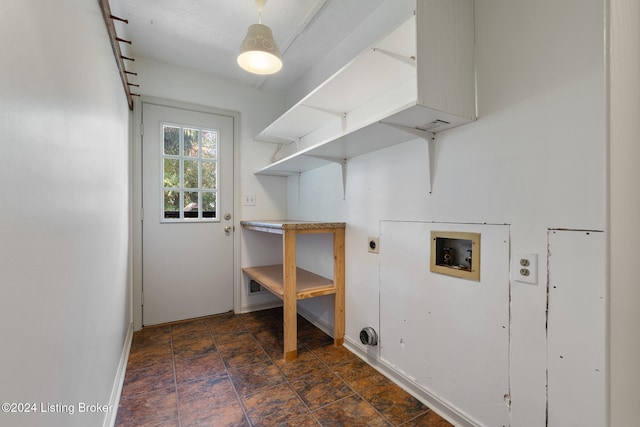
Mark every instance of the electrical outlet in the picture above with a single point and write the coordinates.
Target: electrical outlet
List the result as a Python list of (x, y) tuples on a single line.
[(373, 245), (525, 268), (249, 200)]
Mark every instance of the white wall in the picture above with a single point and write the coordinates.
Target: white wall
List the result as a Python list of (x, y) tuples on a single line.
[(64, 214), (256, 108), (436, 329), (624, 152), (534, 159), (379, 23)]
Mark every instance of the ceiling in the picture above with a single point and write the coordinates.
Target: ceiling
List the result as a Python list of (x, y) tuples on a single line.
[(206, 34)]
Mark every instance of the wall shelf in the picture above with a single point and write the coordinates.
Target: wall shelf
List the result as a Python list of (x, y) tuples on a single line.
[(416, 81), (308, 284), (291, 283)]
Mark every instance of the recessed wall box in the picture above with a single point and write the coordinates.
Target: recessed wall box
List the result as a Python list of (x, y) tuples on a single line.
[(254, 287), (456, 254)]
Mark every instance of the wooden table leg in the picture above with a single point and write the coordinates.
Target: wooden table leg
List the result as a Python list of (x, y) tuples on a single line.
[(290, 315), (338, 280)]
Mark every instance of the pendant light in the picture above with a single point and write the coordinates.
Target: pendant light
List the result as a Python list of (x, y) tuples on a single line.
[(259, 53)]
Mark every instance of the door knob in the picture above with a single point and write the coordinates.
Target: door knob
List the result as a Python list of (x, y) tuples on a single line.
[(228, 229)]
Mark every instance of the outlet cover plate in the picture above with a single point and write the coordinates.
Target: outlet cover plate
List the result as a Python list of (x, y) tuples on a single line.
[(249, 200), (373, 245), (525, 268)]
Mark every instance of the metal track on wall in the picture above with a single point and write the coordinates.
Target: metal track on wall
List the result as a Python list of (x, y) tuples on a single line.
[(117, 52)]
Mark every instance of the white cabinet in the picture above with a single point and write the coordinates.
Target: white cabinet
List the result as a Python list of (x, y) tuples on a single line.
[(416, 81)]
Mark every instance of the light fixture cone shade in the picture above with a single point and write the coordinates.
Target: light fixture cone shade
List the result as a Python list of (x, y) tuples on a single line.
[(259, 53)]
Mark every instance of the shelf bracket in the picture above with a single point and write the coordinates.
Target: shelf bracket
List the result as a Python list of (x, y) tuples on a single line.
[(407, 60), (413, 131), (430, 139), (339, 114), (291, 139), (326, 110), (343, 165), (430, 160)]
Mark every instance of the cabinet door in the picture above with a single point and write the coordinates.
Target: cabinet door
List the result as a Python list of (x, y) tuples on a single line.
[(576, 328)]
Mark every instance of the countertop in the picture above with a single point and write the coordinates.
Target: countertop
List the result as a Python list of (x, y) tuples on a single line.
[(292, 224)]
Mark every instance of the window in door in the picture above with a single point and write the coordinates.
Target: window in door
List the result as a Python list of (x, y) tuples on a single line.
[(189, 173)]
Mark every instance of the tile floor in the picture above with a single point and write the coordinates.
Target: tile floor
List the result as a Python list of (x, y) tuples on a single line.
[(227, 370)]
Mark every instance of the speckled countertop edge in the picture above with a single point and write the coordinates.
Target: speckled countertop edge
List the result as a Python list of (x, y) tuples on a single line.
[(293, 224)]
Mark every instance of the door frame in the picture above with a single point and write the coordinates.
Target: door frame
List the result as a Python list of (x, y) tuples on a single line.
[(136, 197)]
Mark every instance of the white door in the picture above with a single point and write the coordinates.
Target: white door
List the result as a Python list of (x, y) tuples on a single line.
[(187, 198)]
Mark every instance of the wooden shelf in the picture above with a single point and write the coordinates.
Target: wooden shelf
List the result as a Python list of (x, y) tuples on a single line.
[(291, 283), (308, 284)]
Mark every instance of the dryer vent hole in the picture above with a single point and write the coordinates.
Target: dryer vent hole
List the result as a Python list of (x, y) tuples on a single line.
[(368, 336)]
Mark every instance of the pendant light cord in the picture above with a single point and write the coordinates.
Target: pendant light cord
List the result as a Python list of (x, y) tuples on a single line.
[(260, 4)]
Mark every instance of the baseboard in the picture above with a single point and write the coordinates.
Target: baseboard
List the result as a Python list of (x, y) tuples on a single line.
[(439, 406), (248, 308), (114, 400), (316, 321)]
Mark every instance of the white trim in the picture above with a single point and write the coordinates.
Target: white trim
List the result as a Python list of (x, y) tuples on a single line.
[(437, 405), (132, 216), (248, 308), (237, 275), (136, 214), (316, 321), (114, 400)]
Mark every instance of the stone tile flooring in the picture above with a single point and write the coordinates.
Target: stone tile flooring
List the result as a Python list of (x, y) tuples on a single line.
[(228, 370)]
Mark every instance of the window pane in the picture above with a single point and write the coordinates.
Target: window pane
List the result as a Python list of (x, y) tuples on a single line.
[(171, 204), (209, 144), (208, 204), (190, 143), (171, 140), (209, 174), (190, 174), (171, 173), (191, 204)]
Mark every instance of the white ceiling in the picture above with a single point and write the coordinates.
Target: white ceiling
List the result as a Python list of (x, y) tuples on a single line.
[(206, 34)]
